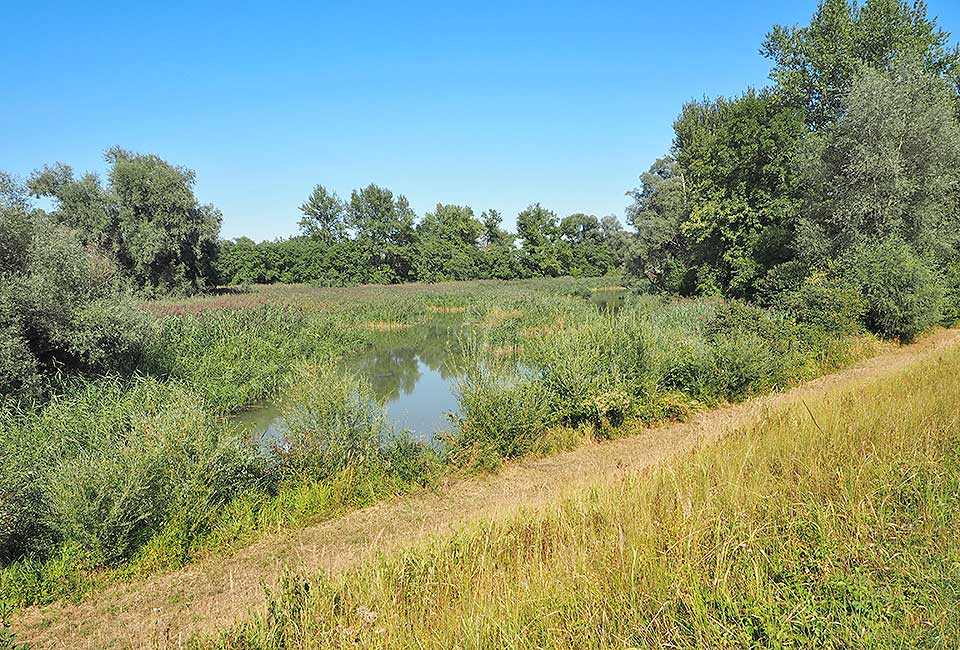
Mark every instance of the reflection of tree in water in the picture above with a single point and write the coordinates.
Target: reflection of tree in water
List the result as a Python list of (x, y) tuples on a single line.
[(390, 371), (391, 365)]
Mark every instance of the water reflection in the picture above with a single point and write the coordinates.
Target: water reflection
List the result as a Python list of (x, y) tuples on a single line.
[(609, 301), (412, 373)]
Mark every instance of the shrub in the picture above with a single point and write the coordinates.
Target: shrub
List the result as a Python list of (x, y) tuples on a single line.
[(903, 293), (502, 411), (596, 372), (238, 357), (58, 312), (827, 302), (103, 466), (331, 422)]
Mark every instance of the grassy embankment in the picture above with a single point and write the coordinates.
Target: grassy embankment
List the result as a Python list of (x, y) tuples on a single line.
[(119, 478), (831, 523)]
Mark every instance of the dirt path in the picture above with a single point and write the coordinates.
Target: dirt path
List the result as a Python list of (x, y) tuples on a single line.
[(165, 610)]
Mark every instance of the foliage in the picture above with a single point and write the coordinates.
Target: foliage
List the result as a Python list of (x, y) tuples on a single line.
[(815, 65), (542, 253), (771, 196), (102, 466), (58, 310), (712, 218), (448, 245), (903, 292), (889, 166), (146, 218), (373, 238)]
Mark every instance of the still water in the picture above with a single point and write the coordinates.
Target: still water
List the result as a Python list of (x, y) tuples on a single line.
[(412, 372)]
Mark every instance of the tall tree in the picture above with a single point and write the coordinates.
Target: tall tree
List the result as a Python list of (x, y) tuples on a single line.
[(499, 253), (889, 166), (589, 253), (384, 233), (59, 312), (656, 257), (448, 244), (815, 65), (146, 217), (737, 158), (541, 251), (324, 216)]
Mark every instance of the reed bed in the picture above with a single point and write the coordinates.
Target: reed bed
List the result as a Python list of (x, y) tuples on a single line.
[(119, 477)]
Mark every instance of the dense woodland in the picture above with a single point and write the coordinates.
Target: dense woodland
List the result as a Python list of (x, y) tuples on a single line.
[(833, 192)]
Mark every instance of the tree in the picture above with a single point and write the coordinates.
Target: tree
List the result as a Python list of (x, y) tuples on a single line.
[(384, 233), (541, 253), (616, 238), (588, 251), (448, 245), (815, 65), (889, 166), (323, 216), (59, 309), (738, 158), (146, 218), (241, 261), (659, 209), (499, 252)]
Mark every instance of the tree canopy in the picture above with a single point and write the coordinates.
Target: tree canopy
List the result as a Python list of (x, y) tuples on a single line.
[(840, 179)]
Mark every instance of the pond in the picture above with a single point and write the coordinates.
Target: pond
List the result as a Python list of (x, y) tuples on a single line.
[(610, 299), (412, 373)]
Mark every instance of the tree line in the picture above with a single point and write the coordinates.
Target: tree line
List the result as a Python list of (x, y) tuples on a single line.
[(835, 189), (376, 237)]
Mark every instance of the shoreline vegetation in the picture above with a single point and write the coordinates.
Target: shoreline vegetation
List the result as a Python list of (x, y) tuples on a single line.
[(117, 479), (831, 522)]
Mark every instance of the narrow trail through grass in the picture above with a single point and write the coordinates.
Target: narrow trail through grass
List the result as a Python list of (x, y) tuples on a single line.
[(165, 610)]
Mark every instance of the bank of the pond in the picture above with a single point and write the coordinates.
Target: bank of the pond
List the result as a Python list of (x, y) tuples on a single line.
[(208, 596), (115, 479), (830, 521)]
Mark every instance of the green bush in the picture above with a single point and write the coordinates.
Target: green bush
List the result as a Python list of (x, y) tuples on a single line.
[(104, 466), (903, 292), (58, 309), (827, 302), (595, 372), (502, 411), (331, 422)]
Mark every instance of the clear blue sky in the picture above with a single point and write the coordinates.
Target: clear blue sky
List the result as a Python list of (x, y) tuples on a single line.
[(492, 105)]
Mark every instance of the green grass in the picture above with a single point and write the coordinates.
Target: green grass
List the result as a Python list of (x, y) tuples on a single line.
[(830, 524), (118, 479)]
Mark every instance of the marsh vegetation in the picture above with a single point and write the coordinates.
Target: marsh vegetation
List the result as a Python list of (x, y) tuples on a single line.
[(120, 477)]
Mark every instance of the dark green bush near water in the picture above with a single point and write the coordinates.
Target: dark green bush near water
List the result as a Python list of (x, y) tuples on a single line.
[(60, 314), (102, 467), (332, 423)]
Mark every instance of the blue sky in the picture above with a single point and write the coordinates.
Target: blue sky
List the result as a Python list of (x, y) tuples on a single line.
[(492, 105)]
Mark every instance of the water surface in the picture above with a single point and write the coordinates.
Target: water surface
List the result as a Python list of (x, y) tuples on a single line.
[(411, 372)]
